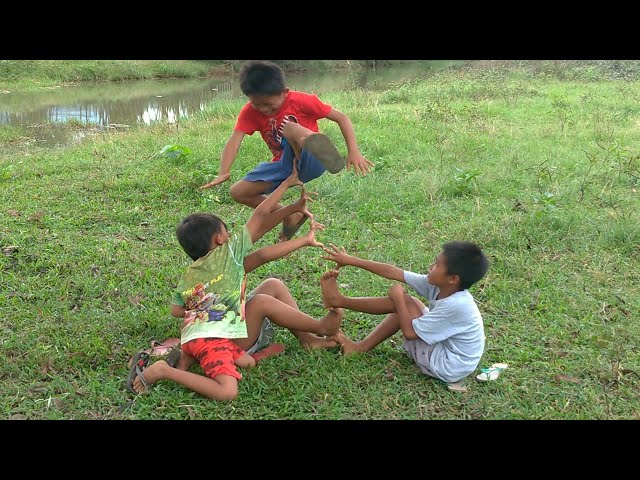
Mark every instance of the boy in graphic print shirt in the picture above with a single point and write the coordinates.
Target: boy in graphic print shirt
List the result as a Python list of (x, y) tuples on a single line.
[(218, 327)]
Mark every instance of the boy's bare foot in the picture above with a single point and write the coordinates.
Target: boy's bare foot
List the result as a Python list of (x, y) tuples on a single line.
[(317, 342), (347, 345), (331, 321), (151, 375), (330, 294)]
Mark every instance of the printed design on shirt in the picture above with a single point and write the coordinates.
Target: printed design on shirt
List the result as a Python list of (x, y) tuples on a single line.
[(209, 307), (274, 132)]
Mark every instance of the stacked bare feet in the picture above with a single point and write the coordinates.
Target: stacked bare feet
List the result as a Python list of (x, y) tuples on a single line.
[(331, 299)]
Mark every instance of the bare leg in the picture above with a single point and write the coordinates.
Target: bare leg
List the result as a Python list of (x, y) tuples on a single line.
[(385, 329), (331, 297), (280, 313), (222, 387), (277, 289), (252, 194), (295, 135)]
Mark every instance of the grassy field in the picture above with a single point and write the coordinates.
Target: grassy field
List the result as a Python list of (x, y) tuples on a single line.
[(537, 162)]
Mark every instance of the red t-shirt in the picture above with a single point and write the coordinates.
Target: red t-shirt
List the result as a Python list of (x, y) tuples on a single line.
[(303, 108)]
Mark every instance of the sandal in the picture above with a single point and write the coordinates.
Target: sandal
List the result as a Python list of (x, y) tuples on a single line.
[(321, 147), (492, 373), (288, 232), (270, 351), (139, 363), (160, 349)]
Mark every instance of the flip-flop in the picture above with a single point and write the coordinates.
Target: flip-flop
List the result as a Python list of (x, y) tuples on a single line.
[(321, 147), (138, 364), (160, 349), (270, 351), (174, 356), (492, 373), (288, 232)]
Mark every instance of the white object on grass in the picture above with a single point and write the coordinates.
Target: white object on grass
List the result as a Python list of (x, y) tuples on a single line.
[(492, 373)]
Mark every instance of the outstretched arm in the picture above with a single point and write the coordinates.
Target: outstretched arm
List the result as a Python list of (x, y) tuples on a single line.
[(226, 160), (342, 258), (282, 249), (354, 157)]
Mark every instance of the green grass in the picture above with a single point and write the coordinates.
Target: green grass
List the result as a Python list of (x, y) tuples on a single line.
[(551, 194)]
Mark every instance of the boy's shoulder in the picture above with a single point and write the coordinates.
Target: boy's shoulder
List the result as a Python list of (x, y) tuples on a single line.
[(459, 301)]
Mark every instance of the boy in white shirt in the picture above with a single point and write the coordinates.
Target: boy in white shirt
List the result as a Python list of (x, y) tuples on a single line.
[(445, 340)]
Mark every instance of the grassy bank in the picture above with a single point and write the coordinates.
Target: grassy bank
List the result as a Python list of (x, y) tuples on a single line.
[(37, 74), (34, 74), (541, 169)]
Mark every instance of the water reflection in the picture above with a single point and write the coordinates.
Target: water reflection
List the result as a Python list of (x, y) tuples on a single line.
[(119, 104)]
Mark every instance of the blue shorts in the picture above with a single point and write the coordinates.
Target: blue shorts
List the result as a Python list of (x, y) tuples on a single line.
[(277, 172)]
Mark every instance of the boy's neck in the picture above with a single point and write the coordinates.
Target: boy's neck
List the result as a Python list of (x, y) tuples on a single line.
[(447, 291)]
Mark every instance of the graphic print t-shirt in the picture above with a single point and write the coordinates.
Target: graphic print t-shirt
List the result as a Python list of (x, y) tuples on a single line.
[(212, 290), (299, 107)]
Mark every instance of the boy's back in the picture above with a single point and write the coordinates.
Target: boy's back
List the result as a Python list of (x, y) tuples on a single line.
[(213, 286)]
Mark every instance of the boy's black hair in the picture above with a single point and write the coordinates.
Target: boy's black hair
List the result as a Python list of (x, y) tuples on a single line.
[(195, 231), (466, 260), (260, 77)]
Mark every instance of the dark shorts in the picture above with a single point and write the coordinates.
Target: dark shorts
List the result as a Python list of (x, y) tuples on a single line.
[(309, 168), (216, 356)]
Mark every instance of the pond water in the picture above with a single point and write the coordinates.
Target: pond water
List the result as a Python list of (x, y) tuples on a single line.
[(51, 113)]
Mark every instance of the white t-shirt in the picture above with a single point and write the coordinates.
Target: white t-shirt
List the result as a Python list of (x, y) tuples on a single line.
[(453, 326)]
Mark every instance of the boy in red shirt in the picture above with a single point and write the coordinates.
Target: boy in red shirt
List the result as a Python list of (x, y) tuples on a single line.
[(288, 122)]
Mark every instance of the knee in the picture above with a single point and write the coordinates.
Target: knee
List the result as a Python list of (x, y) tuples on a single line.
[(274, 284), (259, 300), (237, 191), (289, 130)]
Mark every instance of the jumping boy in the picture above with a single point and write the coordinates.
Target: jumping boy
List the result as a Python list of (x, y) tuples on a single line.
[(288, 122)]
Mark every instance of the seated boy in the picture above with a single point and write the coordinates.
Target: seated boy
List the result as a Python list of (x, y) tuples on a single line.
[(446, 340), (218, 326)]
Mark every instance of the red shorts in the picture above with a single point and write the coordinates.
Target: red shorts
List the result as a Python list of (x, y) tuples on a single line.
[(216, 356)]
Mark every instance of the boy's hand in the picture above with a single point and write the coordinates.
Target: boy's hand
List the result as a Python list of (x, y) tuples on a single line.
[(338, 255), (221, 178), (301, 203), (311, 236), (360, 164)]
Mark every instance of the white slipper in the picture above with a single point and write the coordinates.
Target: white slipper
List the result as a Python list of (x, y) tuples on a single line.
[(492, 373)]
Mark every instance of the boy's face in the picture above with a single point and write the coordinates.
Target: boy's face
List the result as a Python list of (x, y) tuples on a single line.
[(438, 275), (268, 104)]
